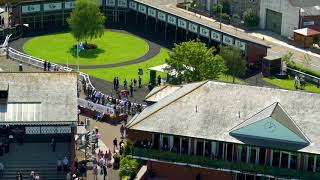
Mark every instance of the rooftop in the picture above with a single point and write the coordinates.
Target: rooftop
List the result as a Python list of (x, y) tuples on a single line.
[(39, 98), (307, 32), (211, 110)]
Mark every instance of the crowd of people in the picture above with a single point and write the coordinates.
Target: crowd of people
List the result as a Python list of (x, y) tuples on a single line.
[(120, 104), (47, 66)]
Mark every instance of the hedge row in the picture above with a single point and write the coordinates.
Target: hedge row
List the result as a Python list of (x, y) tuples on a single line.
[(303, 69)]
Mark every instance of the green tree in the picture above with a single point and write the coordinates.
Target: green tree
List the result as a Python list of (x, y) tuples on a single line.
[(86, 21), (226, 7), (217, 8), (193, 61), (288, 58), (128, 167), (234, 61), (250, 18)]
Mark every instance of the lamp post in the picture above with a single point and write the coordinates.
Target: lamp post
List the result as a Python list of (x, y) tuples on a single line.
[(220, 15), (78, 57)]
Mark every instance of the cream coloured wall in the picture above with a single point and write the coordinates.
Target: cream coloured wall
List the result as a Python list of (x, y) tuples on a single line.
[(290, 15)]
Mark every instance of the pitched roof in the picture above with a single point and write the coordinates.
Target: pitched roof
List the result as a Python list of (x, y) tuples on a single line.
[(209, 110), (40, 98), (304, 3), (160, 92)]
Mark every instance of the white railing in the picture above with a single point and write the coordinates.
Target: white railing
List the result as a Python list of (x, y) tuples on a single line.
[(308, 77), (34, 61), (39, 63)]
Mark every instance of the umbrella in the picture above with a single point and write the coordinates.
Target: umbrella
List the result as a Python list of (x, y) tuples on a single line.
[(1, 10)]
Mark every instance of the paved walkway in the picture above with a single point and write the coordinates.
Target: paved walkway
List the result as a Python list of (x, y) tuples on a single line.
[(154, 49)]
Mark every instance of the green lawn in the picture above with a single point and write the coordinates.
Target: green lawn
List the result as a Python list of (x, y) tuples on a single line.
[(113, 47), (289, 84), (131, 71), (228, 78)]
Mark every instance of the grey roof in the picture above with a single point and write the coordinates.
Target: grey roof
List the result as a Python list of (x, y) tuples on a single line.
[(40, 98), (160, 92), (311, 11), (304, 3), (209, 110)]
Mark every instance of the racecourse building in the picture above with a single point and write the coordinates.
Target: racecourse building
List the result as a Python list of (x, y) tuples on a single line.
[(213, 130), (34, 108), (162, 17)]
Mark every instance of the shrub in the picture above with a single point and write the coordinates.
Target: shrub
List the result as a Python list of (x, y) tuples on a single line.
[(250, 19), (128, 167), (303, 69), (225, 17), (235, 16), (153, 77), (226, 7), (217, 8), (90, 46)]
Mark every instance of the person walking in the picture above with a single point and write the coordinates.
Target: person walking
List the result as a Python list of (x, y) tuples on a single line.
[(139, 80), (45, 66), (115, 143), (131, 90), (83, 171), (95, 172), (122, 129), (125, 84), (53, 144), (159, 80), (117, 83), (296, 82), (114, 83), (105, 173), (20, 67), (49, 66)]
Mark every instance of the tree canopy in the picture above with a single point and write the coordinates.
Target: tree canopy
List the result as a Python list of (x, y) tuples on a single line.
[(250, 19), (194, 61), (234, 61), (86, 21)]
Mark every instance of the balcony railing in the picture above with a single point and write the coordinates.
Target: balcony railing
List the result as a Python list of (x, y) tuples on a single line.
[(222, 164)]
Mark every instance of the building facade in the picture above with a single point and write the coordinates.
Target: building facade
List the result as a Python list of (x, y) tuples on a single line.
[(236, 6), (211, 129), (283, 17)]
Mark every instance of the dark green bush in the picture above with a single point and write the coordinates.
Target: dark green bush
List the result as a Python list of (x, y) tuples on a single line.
[(303, 69), (250, 19)]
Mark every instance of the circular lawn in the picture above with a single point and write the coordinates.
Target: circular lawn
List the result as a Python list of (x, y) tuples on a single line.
[(112, 47)]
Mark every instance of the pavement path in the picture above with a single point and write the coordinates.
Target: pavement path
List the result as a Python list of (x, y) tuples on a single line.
[(154, 49)]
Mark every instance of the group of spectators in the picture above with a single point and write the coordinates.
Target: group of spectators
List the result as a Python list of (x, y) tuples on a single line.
[(119, 105), (47, 66)]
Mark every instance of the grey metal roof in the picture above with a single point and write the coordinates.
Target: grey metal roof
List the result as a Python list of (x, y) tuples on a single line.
[(160, 92), (304, 3), (311, 11), (209, 110), (47, 98)]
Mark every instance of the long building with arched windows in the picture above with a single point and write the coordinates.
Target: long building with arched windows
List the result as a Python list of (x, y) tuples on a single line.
[(164, 17)]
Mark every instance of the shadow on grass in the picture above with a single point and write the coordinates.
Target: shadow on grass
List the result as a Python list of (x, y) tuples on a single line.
[(87, 53)]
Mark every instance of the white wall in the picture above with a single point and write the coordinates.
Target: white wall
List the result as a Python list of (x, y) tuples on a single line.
[(290, 15)]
